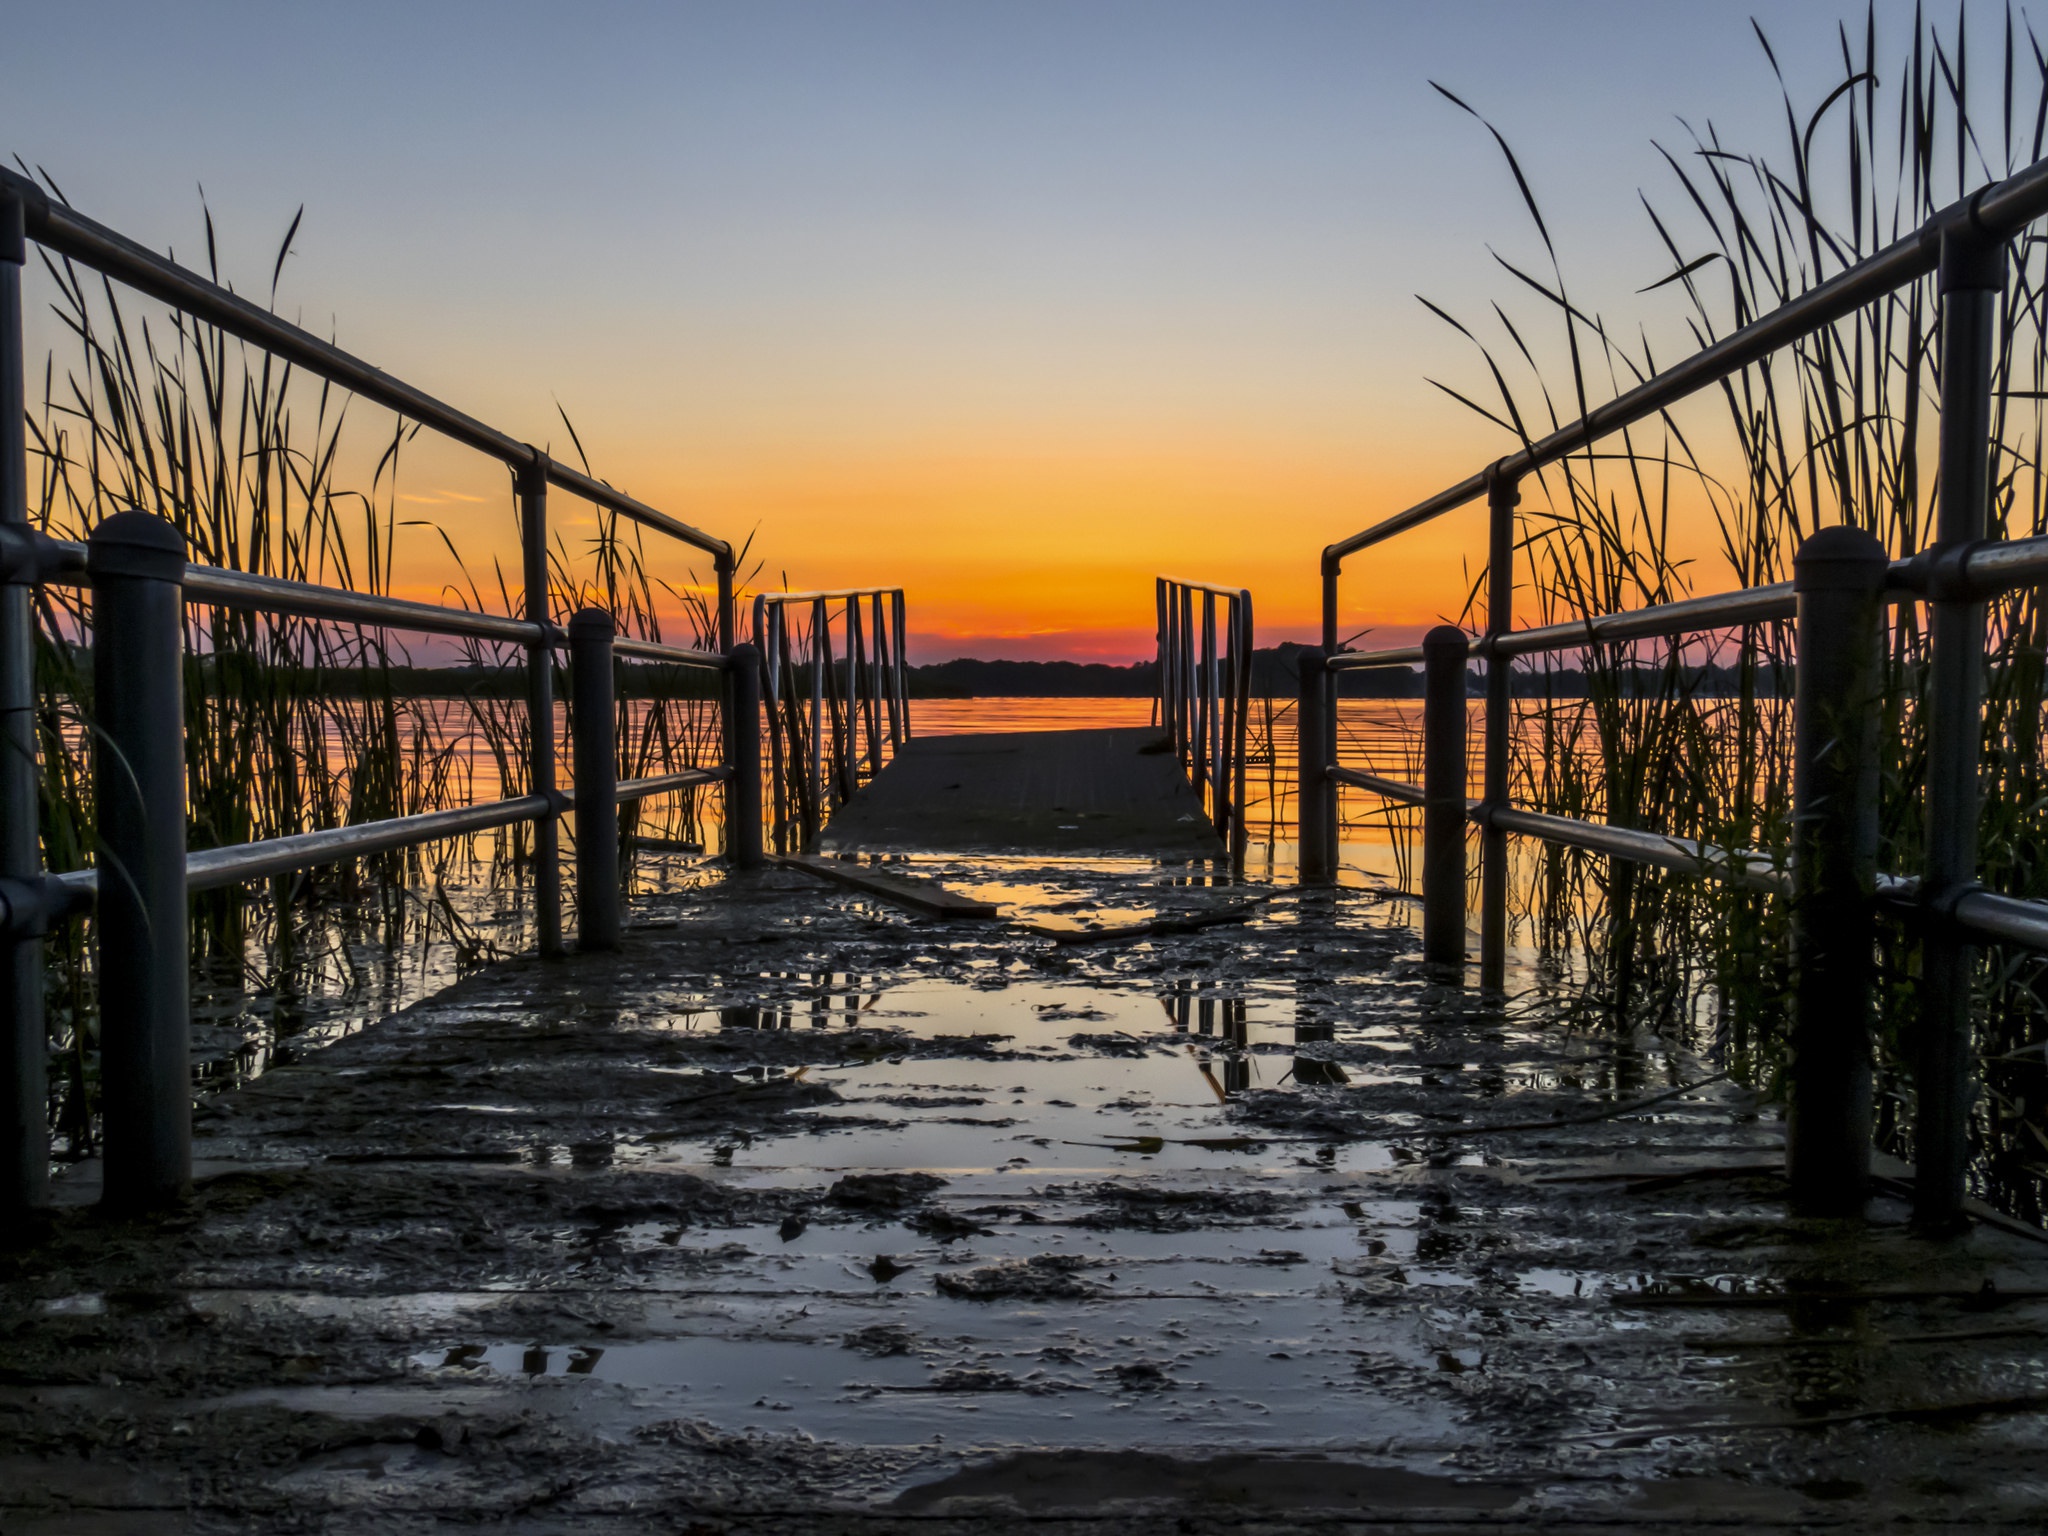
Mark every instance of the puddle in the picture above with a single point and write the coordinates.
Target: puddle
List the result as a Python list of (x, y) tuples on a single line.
[(1069, 1371), (1085, 1077)]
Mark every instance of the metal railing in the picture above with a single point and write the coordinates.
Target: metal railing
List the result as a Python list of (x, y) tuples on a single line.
[(1205, 684), (833, 718), (1840, 584), (136, 565)]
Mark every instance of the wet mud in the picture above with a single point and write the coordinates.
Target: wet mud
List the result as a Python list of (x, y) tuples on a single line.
[(805, 1214)]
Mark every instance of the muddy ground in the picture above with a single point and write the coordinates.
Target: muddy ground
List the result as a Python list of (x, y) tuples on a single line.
[(804, 1214)]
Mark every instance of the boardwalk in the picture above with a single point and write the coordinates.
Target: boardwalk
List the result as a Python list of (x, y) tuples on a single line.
[(801, 1215), (1058, 793)]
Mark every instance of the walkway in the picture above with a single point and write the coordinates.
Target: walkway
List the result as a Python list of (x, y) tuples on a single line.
[(1117, 793), (799, 1215)]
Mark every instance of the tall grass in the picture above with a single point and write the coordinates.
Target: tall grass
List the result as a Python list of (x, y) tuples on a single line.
[(1837, 429), (293, 724)]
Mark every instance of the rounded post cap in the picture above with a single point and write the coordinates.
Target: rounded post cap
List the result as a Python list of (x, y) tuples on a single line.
[(1447, 637), (139, 544), (592, 624), (1839, 558)]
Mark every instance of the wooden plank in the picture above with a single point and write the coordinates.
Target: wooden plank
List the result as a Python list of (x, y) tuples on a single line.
[(926, 896)]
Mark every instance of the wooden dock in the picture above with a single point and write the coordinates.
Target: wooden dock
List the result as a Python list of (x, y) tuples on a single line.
[(1099, 793)]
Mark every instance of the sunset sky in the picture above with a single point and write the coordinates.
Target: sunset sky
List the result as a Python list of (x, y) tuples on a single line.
[(1012, 304)]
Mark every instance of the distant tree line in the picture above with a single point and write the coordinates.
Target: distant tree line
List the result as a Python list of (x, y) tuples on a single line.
[(1276, 674)]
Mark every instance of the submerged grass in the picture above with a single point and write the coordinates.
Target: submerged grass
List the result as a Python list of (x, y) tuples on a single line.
[(1837, 429)]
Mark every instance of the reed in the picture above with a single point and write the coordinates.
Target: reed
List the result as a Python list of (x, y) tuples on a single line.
[(293, 724), (1835, 430)]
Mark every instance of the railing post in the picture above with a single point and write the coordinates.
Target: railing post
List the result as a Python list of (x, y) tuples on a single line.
[(1159, 670), (540, 704), (1502, 497), (743, 789), (1241, 651), (1315, 792), (1444, 815), (1839, 574), (24, 1053), (897, 607), (136, 562), (1972, 279), (593, 733)]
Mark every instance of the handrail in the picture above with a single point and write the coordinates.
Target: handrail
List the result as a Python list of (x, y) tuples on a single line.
[(70, 233), (857, 714), (1976, 571), (1217, 588), (837, 594), (1846, 578), (682, 656), (1204, 695)]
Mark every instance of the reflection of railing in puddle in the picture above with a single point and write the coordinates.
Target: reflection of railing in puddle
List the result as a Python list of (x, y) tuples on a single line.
[(837, 998), (1198, 1011)]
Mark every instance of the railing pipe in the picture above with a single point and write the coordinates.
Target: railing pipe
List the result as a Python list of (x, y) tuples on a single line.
[(136, 561), (743, 789), (212, 868), (1444, 783), (1971, 282), (1502, 497), (1315, 794), (626, 649), (24, 1052), (1373, 783), (593, 727), (540, 703), (1840, 575)]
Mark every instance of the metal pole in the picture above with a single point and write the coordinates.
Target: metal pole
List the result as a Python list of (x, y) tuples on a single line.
[(768, 635), (849, 746), (1159, 648), (1313, 790), (136, 562), (902, 664), (1212, 725), (887, 643), (1501, 499), (1444, 815), (593, 728), (1839, 575), (1241, 652), (722, 564), (1329, 609), (1186, 668), (878, 695), (743, 789), (1972, 279), (821, 658), (24, 1055), (540, 705)]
